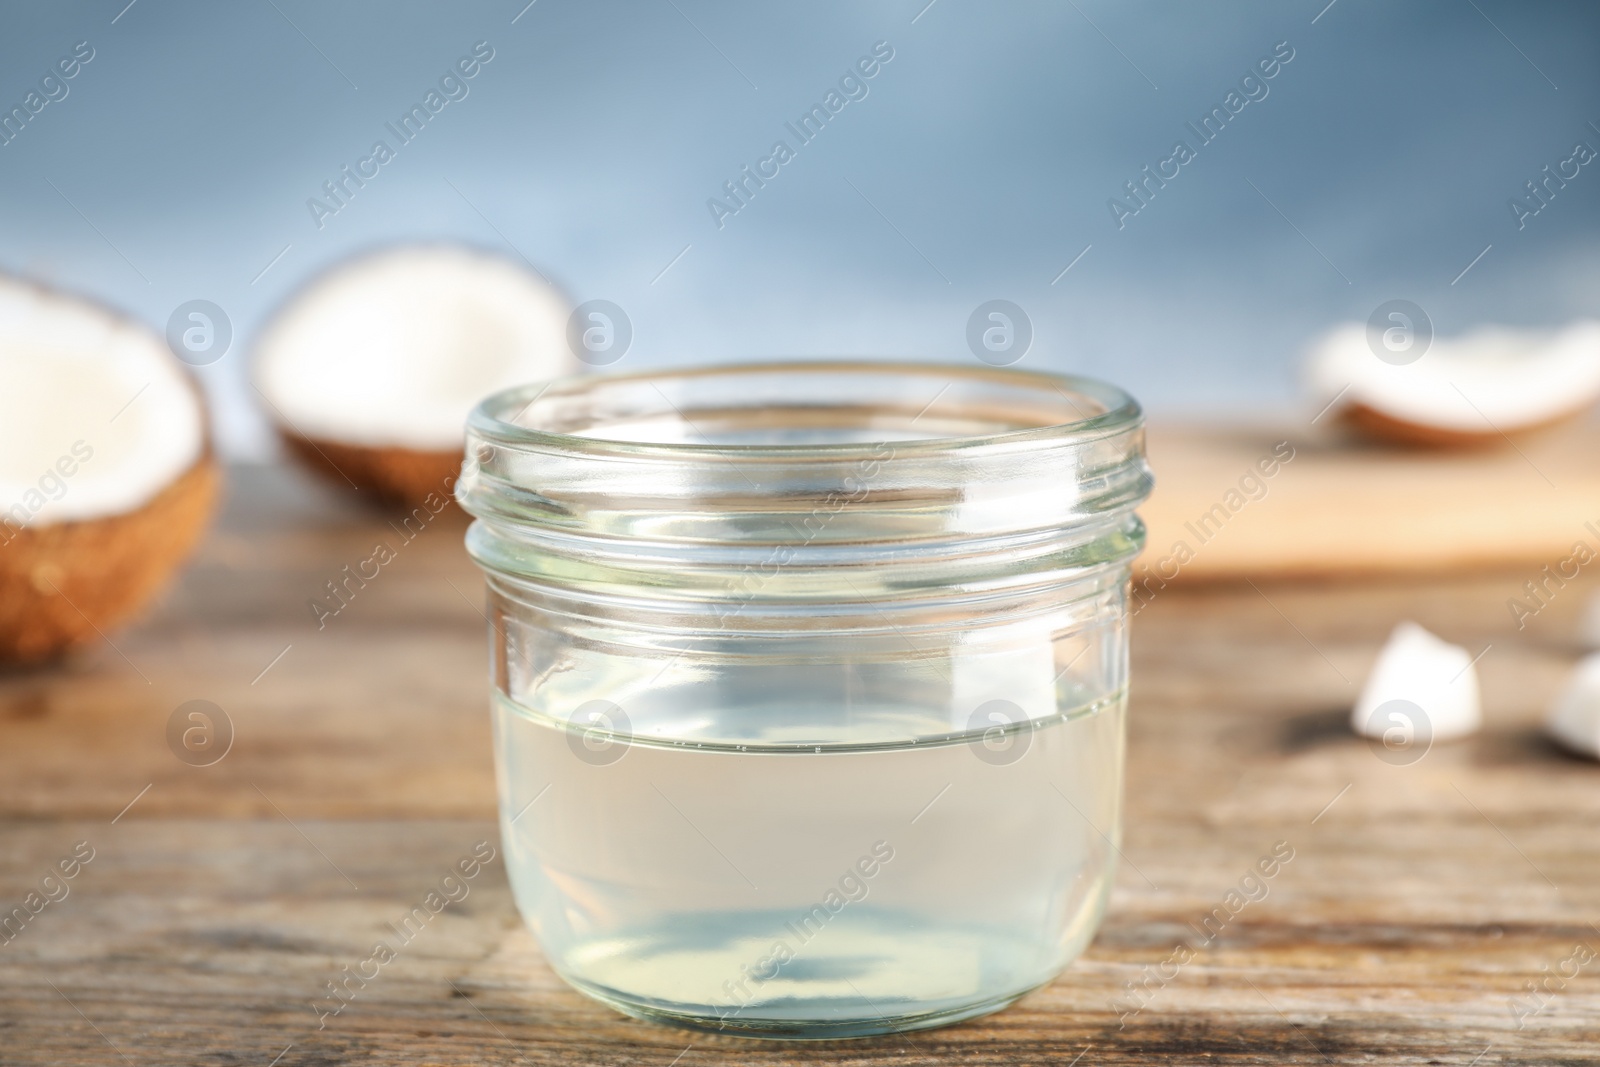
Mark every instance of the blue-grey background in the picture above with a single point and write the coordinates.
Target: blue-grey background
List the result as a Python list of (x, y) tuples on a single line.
[(978, 167)]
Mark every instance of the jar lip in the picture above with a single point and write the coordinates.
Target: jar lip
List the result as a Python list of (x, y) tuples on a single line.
[(493, 418)]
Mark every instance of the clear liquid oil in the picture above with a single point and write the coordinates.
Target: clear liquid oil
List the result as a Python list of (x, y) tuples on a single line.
[(768, 885)]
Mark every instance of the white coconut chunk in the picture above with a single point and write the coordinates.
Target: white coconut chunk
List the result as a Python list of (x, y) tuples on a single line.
[(96, 415), (1483, 383), (1438, 678), (395, 349), (1575, 716)]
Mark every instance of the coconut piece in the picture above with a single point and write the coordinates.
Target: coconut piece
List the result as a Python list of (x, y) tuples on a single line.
[(105, 477), (371, 371), (1470, 390), (1575, 716), (1436, 679)]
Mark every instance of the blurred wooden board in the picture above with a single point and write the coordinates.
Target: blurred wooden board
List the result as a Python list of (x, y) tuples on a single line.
[(1341, 507), (1421, 898)]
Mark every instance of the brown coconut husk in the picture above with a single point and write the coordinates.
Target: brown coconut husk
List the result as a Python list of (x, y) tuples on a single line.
[(393, 475), (64, 584), (1373, 423)]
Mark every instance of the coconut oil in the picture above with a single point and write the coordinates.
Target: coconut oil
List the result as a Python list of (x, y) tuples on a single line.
[(777, 886)]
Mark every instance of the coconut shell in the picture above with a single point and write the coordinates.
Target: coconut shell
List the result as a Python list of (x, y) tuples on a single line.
[(64, 584), (1375, 424), (394, 475)]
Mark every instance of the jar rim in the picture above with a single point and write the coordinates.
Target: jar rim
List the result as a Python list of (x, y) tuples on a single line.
[(494, 418), (789, 482)]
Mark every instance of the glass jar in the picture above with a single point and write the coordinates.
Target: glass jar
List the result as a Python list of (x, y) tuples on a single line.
[(809, 682)]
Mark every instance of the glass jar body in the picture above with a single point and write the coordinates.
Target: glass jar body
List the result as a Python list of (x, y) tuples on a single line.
[(828, 834)]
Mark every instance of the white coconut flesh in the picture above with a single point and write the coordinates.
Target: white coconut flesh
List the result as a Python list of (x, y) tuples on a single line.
[(395, 350), (1487, 382), (96, 415), (1420, 685), (1574, 718)]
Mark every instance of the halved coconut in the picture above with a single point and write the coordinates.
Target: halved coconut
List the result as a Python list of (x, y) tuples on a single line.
[(371, 371), (1471, 390), (106, 480)]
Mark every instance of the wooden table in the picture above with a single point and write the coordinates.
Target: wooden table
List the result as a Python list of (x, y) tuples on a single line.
[(1421, 899)]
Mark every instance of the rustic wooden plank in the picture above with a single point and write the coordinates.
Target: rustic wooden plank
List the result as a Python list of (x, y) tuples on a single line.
[(1418, 905), (210, 940), (1341, 505), (356, 713)]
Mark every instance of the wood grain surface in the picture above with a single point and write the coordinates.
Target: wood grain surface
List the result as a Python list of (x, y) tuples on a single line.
[(1420, 903), (1339, 506)]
